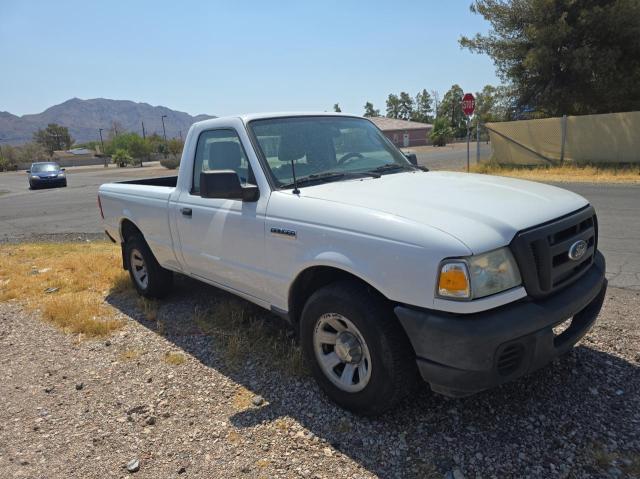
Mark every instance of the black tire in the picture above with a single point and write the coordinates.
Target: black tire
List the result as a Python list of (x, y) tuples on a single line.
[(393, 370), (158, 280)]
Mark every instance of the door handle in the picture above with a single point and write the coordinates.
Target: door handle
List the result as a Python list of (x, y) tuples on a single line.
[(186, 211)]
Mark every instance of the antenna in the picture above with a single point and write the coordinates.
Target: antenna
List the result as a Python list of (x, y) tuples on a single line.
[(296, 191)]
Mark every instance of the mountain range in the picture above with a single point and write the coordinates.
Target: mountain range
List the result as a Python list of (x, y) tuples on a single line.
[(85, 117)]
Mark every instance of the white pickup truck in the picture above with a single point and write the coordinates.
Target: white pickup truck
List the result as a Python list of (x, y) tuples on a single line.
[(388, 272)]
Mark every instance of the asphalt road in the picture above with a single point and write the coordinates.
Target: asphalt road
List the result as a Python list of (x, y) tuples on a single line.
[(450, 157), (59, 210), (25, 213)]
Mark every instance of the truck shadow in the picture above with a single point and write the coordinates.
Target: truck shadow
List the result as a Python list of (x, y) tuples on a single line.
[(562, 415)]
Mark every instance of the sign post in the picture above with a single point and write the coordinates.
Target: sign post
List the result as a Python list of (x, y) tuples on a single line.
[(468, 107), (477, 140)]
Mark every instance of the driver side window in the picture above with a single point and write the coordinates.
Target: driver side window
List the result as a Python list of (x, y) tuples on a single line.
[(220, 150)]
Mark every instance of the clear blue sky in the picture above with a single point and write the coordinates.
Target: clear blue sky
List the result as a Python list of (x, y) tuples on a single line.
[(226, 57)]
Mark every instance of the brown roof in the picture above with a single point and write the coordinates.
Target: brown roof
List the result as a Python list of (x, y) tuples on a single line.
[(386, 124)]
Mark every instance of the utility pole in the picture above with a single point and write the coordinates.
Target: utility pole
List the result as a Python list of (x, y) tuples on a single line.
[(102, 145), (164, 132), (468, 138)]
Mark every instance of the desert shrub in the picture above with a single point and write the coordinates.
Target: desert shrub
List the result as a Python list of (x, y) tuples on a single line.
[(170, 163), (122, 158)]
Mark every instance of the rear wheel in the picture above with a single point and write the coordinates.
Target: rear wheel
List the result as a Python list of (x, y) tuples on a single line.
[(357, 350), (149, 278)]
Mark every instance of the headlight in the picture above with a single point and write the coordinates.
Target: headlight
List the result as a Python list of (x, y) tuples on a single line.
[(479, 275), (35, 177)]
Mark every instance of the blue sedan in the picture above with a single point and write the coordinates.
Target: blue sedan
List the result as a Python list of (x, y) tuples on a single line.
[(46, 174)]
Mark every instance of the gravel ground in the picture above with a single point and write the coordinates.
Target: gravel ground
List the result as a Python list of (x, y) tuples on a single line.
[(88, 408), (53, 238)]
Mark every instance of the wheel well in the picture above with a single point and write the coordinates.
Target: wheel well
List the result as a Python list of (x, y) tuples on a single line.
[(314, 278), (129, 229)]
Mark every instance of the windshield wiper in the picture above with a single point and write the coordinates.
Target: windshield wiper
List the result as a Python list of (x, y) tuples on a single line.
[(390, 167), (330, 175)]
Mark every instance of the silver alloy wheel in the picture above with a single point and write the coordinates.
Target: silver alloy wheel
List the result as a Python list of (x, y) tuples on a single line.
[(342, 352), (139, 268)]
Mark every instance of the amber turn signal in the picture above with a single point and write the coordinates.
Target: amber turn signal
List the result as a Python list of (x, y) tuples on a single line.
[(454, 280)]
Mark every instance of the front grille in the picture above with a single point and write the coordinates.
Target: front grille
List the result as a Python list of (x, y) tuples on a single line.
[(542, 252)]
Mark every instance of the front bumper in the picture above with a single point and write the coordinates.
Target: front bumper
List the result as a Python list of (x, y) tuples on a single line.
[(459, 355), (43, 182)]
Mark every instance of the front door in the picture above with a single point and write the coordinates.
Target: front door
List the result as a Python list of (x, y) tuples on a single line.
[(405, 139), (222, 240)]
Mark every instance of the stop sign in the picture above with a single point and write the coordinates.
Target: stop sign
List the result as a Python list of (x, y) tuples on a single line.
[(468, 104)]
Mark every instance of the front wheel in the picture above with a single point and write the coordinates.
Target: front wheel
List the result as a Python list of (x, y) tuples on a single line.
[(149, 278), (357, 350)]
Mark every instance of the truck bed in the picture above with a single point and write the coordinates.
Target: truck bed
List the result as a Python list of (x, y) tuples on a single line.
[(169, 181)]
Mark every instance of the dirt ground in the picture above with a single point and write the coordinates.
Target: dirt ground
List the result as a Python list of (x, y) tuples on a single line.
[(165, 392)]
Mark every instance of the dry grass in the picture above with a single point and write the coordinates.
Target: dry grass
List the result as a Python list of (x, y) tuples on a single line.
[(175, 359), (66, 282), (242, 333), (242, 399), (80, 313), (234, 437), (589, 173), (149, 308), (130, 355)]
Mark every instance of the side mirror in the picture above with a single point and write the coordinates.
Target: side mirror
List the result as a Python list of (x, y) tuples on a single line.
[(413, 159), (62, 169), (28, 171), (226, 184)]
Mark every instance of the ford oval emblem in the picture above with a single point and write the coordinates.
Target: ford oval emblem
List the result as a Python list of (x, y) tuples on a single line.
[(577, 250)]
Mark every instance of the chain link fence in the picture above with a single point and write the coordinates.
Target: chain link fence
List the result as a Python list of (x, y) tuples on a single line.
[(608, 138)]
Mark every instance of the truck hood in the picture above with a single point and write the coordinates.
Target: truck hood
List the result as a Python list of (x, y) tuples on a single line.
[(483, 212)]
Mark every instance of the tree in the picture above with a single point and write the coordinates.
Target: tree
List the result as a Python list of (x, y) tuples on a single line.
[(131, 143), (441, 132), (8, 158), (116, 129), (53, 137), (564, 56), (393, 106), (451, 109), (30, 152), (423, 108), (156, 143), (406, 106), (494, 104), (174, 147), (370, 111), (336, 108)]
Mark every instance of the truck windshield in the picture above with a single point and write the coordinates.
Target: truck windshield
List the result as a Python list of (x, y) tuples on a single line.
[(325, 148)]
